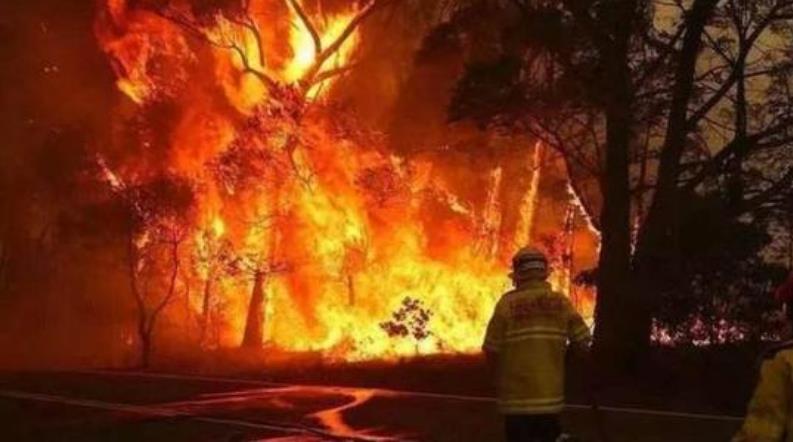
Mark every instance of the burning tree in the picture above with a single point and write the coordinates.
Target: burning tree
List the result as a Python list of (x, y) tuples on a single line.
[(254, 174), (258, 265), (311, 203), (354, 262), (213, 257), (157, 220), (236, 29), (259, 270)]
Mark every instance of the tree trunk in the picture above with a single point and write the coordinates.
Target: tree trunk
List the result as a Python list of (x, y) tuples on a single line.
[(614, 312), (615, 343), (350, 290), (254, 324), (205, 310), (657, 255), (144, 334)]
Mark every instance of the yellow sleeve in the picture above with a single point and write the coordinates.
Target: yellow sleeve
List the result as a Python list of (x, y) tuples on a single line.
[(766, 417), (577, 330), (494, 336)]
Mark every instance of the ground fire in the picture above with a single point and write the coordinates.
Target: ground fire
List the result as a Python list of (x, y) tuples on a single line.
[(308, 234)]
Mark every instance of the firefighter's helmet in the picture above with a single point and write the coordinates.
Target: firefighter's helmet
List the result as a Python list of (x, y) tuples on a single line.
[(529, 261)]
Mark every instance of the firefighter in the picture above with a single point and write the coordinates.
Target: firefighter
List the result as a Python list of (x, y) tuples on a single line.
[(769, 417), (525, 346)]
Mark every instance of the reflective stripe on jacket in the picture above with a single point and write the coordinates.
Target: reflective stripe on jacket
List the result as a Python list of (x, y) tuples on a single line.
[(769, 417), (529, 332)]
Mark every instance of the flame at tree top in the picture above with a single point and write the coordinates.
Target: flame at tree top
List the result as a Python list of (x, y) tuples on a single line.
[(305, 52), (305, 220)]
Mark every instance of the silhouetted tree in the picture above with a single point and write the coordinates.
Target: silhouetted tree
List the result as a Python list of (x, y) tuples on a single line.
[(410, 320), (722, 295), (647, 102), (156, 220)]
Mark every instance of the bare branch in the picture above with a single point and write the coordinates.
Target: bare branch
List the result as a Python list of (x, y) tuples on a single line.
[(200, 33), (250, 24), (741, 146), (132, 267), (764, 196), (308, 78), (331, 73), (175, 264), (747, 44), (301, 13), (665, 52)]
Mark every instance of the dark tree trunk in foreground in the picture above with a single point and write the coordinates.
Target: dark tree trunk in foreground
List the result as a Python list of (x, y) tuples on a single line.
[(657, 257), (688, 103), (629, 288), (616, 305), (254, 323)]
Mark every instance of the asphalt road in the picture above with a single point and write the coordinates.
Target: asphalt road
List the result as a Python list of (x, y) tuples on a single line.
[(124, 406)]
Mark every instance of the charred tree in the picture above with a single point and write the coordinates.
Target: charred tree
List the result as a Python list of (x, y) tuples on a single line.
[(259, 266), (149, 309), (206, 312), (354, 262), (213, 255), (155, 216), (253, 335), (351, 290), (254, 322)]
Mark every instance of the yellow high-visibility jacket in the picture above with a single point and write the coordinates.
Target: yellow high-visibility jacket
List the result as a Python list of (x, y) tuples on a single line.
[(769, 417), (528, 334)]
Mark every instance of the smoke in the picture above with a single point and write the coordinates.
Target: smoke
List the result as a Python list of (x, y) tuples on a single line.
[(56, 95)]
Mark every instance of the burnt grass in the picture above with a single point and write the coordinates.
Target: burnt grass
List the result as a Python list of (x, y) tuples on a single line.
[(717, 379)]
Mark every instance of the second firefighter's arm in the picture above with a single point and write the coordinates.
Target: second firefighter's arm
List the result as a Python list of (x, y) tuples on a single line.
[(766, 417)]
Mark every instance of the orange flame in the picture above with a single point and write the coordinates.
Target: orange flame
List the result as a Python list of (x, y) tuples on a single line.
[(343, 232)]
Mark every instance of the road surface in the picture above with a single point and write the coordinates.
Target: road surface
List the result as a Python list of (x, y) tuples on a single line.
[(129, 406)]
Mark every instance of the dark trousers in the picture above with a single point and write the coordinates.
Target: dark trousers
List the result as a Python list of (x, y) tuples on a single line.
[(532, 427)]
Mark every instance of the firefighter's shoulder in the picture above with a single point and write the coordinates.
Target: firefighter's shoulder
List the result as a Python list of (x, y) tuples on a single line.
[(509, 294), (506, 297), (562, 298), (778, 349)]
